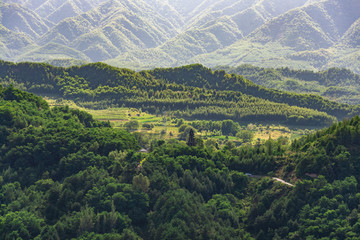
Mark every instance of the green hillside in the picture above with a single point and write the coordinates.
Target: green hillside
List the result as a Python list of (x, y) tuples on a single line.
[(336, 84), (199, 76), (192, 92), (334, 151)]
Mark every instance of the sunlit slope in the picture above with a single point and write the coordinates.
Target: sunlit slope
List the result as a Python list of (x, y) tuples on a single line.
[(193, 92)]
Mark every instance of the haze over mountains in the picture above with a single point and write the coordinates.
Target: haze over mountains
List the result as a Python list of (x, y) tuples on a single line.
[(311, 34)]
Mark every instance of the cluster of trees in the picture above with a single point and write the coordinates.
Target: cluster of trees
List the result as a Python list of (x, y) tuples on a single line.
[(332, 152), (192, 92), (315, 209), (226, 127), (65, 176), (49, 160)]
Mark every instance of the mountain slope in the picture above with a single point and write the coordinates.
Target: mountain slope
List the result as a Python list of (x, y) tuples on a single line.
[(66, 10), (51, 51), (112, 28), (215, 25), (351, 38), (69, 8), (320, 24), (12, 42), (307, 37), (18, 19)]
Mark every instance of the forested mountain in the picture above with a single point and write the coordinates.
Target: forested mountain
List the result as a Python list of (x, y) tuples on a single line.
[(19, 19), (57, 10), (213, 25), (65, 176), (340, 85), (193, 92), (321, 25), (309, 37), (312, 34)]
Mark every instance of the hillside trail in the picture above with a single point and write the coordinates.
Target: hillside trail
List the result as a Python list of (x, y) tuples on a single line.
[(282, 181), (274, 178)]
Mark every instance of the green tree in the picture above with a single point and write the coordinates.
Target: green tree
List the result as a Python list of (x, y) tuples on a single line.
[(141, 182), (229, 127), (20, 225), (191, 138), (245, 135), (132, 125)]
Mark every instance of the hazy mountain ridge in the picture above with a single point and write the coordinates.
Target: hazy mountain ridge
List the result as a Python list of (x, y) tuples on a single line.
[(110, 29), (212, 30), (322, 44), (352, 36), (19, 19), (57, 10), (312, 34), (325, 23)]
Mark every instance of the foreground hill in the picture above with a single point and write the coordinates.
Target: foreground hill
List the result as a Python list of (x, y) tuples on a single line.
[(193, 92), (65, 176)]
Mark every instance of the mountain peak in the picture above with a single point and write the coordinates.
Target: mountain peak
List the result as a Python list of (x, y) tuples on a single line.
[(352, 36)]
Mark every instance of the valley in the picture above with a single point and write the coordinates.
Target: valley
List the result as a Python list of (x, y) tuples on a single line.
[(179, 119), (163, 127)]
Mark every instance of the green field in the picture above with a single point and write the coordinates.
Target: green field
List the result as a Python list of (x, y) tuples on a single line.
[(165, 127)]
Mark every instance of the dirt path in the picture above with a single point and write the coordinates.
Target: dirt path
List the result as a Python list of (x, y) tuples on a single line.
[(274, 178), (282, 181)]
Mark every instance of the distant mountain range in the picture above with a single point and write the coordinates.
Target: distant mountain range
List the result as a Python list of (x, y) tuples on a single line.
[(311, 34)]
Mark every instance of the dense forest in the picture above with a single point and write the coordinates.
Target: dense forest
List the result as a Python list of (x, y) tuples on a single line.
[(192, 92), (338, 84), (64, 175)]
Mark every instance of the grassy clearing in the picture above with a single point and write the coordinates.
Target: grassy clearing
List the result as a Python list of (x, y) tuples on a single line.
[(165, 128)]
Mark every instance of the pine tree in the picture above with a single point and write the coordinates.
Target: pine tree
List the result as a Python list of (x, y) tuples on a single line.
[(191, 139)]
